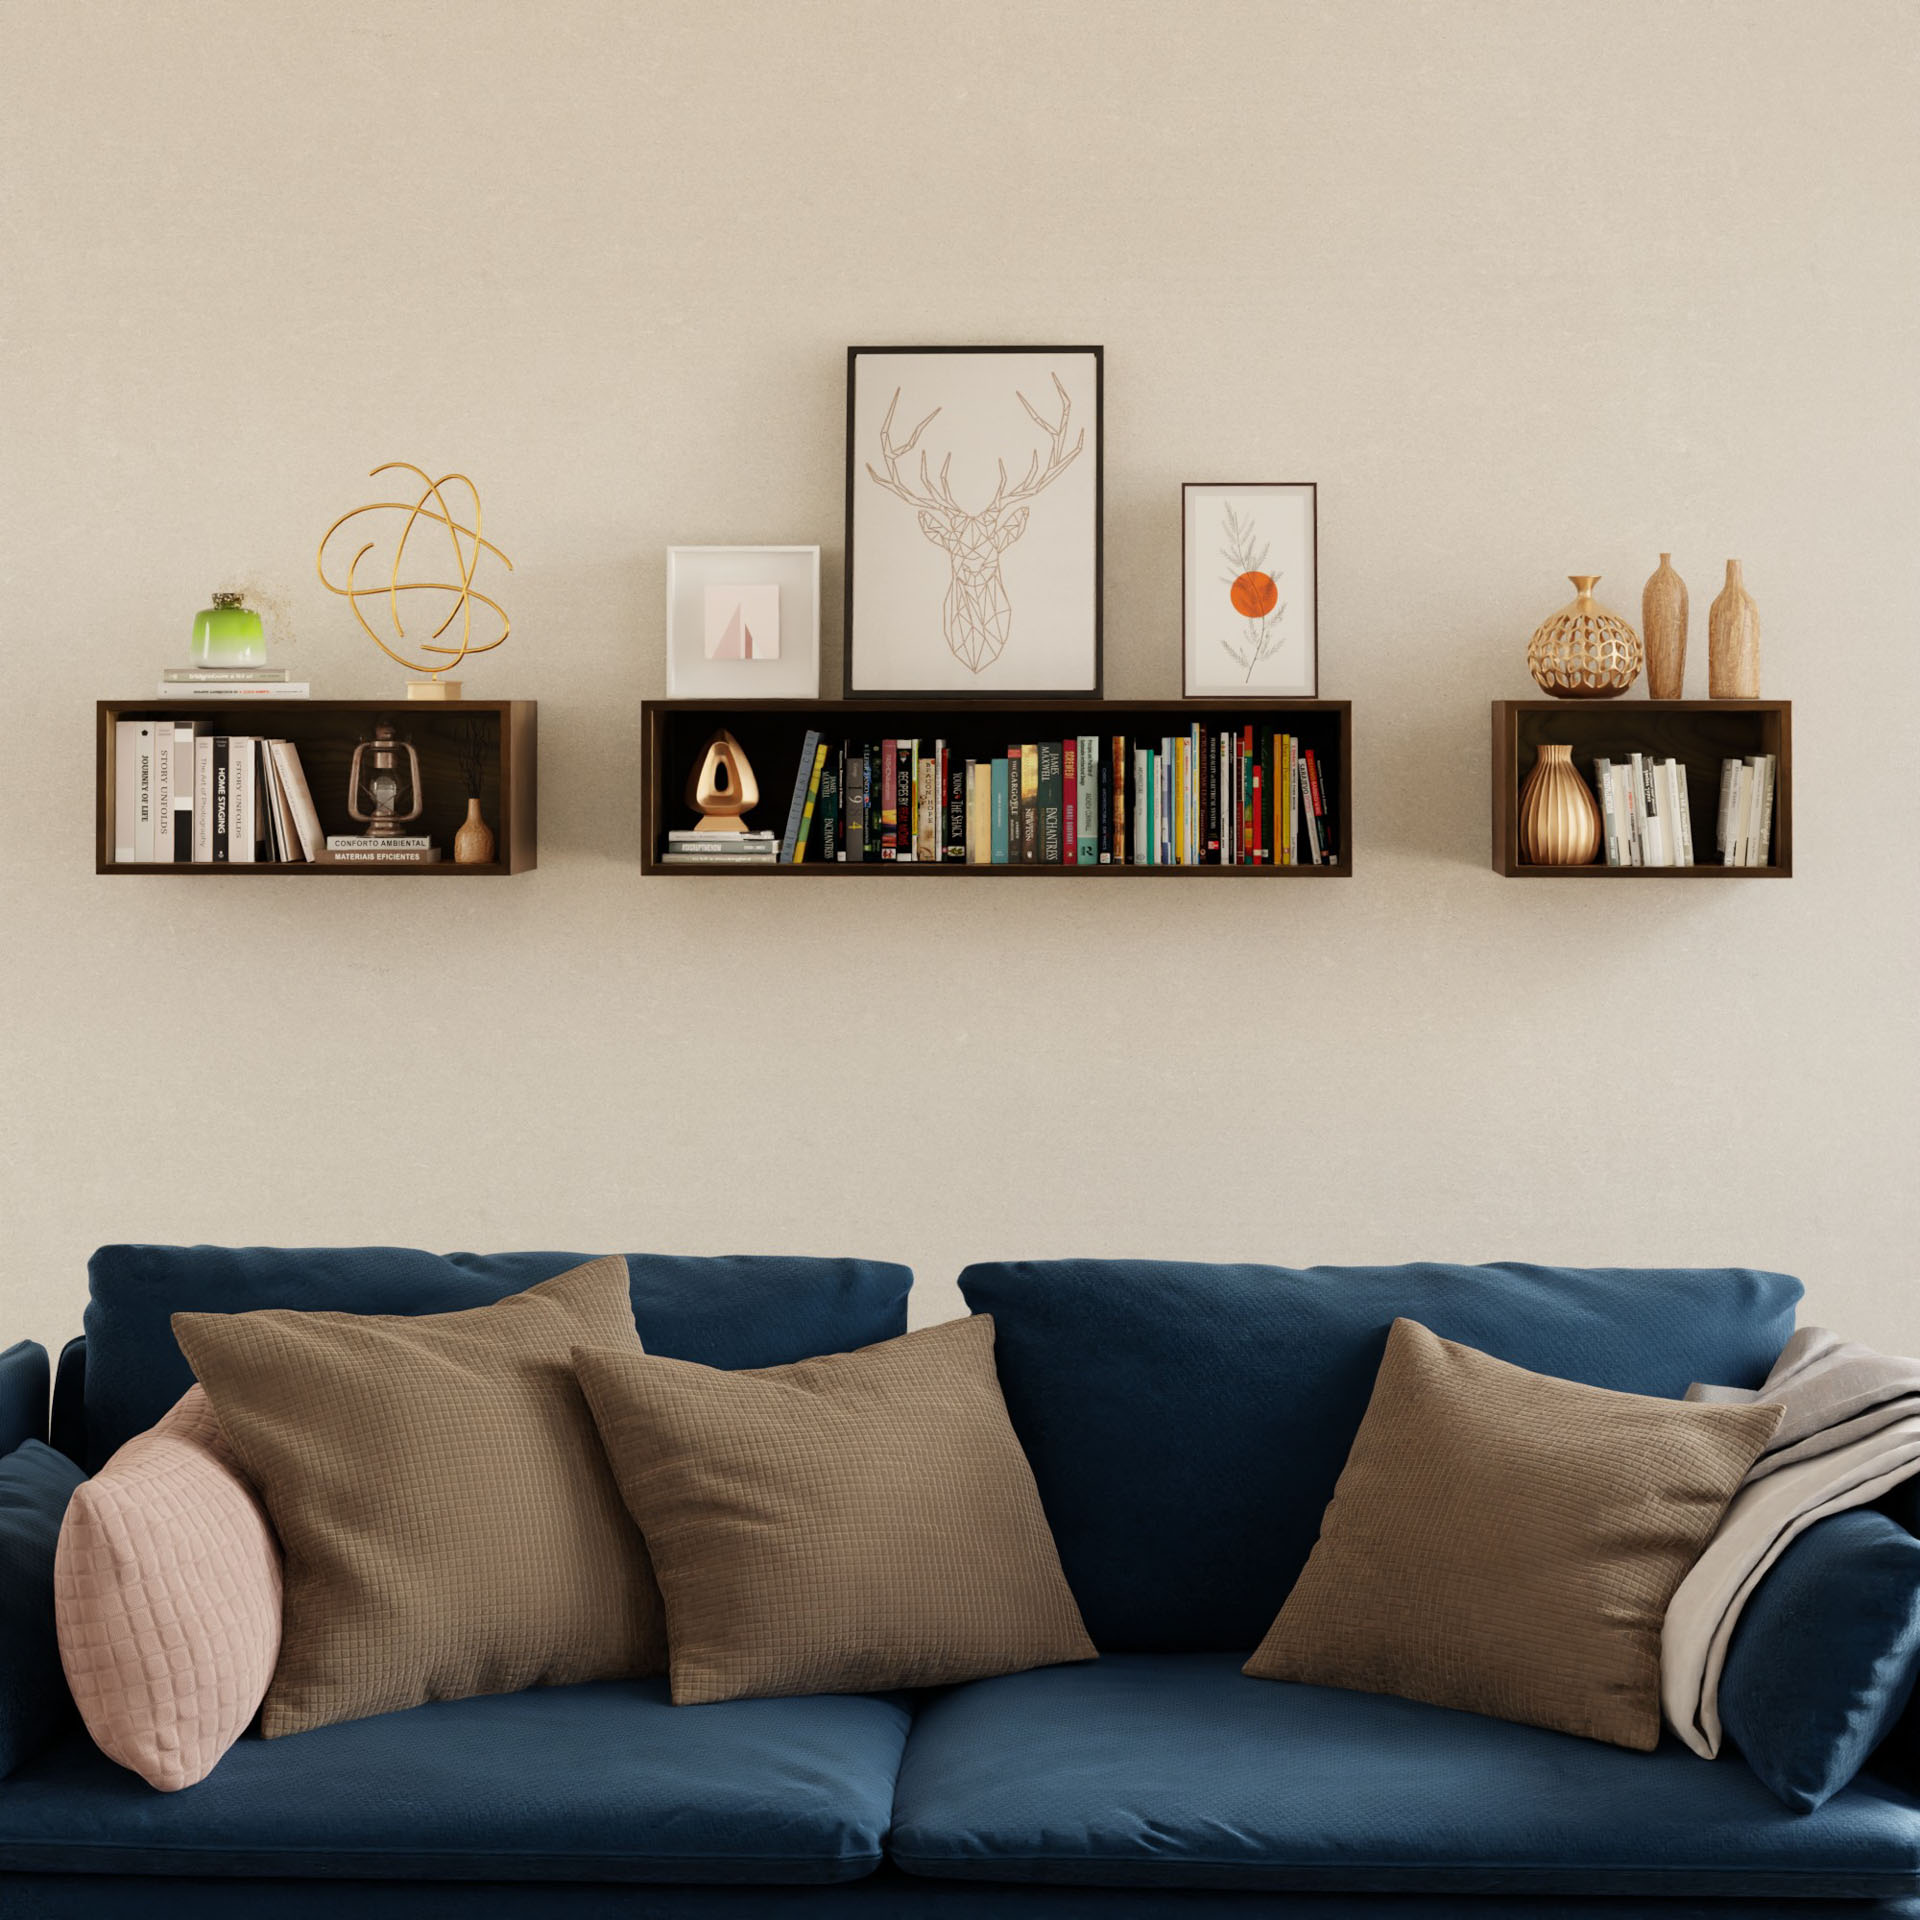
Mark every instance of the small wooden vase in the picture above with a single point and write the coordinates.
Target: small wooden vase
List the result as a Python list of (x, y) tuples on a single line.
[(1733, 642), (473, 844), (1559, 817), (1584, 652), (1663, 626)]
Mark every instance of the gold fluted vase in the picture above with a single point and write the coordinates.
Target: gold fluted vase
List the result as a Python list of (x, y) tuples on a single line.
[(1586, 651), (1559, 817)]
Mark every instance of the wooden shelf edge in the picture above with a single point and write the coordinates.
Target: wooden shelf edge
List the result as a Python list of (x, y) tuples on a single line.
[(836, 869), (278, 869)]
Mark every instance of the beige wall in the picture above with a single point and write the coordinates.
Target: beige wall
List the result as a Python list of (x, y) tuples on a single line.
[(1527, 287)]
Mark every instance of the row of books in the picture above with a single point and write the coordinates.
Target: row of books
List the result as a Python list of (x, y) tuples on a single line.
[(1205, 797), (186, 795), (1647, 819)]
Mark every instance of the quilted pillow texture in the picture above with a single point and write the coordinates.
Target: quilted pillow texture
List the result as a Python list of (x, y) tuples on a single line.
[(167, 1599), (449, 1521), (1506, 1543), (843, 1525)]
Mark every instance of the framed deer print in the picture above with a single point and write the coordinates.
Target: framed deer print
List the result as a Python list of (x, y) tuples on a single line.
[(973, 520), (1250, 618)]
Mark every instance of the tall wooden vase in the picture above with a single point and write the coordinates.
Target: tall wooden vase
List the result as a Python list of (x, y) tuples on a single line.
[(1559, 817), (473, 844), (1663, 627), (1733, 642)]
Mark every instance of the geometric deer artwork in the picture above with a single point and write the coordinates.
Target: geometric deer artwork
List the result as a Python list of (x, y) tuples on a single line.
[(976, 618), (973, 506)]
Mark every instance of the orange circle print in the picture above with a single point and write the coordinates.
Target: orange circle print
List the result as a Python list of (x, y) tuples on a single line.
[(1255, 595)]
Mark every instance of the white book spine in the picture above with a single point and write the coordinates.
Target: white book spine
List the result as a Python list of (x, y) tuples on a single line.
[(1682, 812), (203, 798), (1669, 812), (1609, 809), (1630, 814), (143, 790), (186, 779), (241, 822), (1742, 815), (306, 822), (1658, 853), (125, 781), (163, 792), (1763, 807), (1306, 811), (1723, 823)]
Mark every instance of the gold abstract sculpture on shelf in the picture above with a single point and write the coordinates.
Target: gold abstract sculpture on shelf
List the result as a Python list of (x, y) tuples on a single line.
[(1559, 817), (1733, 642), (722, 787), (1584, 652), (1663, 621), (468, 545)]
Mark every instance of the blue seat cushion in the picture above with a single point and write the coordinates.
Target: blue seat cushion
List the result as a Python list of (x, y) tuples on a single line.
[(24, 1379), (606, 1781), (1822, 1663), (35, 1485), (1175, 1770), (1186, 1423), (722, 1312)]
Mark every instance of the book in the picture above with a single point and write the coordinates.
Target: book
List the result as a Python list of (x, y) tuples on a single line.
[(1029, 804), (1306, 809), (1104, 846), (1682, 812), (235, 690), (959, 793), (830, 806), (694, 858), (819, 749), (1070, 802), (929, 807), (1086, 846), (1646, 803), (998, 812), (1723, 821), (222, 801), (243, 818), (381, 857), (1049, 801), (853, 807), (163, 792), (203, 797), (276, 843), (889, 800), (293, 783), (185, 761), (141, 842), (903, 772), (1118, 768), (1760, 848), (1742, 815), (1609, 809), (223, 676), (796, 806), (678, 837)]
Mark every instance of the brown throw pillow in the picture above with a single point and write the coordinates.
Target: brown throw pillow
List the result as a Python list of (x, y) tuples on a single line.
[(448, 1518), (860, 1521), (1507, 1543)]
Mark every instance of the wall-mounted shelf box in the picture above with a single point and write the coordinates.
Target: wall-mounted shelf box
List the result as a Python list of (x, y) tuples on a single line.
[(1700, 734), (325, 733), (772, 732)]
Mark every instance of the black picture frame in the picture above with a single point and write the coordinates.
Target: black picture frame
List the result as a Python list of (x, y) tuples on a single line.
[(855, 465), (1187, 689)]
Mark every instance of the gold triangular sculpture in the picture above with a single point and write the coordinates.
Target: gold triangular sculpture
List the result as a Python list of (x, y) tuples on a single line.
[(723, 787)]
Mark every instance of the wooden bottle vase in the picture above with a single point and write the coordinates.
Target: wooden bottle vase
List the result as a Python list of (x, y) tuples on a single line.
[(1663, 629), (473, 844), (1733, 642), (1559, 817)]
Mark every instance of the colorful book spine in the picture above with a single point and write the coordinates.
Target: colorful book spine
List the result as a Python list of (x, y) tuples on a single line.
[(1070, 801), (1030, 804), (830, 778), (959, 792), (812, 799), (1117, 841), (797, 805), (889, 800), (997, 843)]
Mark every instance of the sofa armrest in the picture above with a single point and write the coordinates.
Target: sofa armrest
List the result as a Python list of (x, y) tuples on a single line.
[(67, 1420), (35, 1485), (24, 1379)]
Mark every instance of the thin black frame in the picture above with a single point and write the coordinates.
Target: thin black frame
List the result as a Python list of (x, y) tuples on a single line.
[(849, 684), (1313, 487)]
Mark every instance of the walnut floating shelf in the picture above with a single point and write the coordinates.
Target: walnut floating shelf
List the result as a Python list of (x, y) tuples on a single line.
[(772, 733), (1700, 734), (325, 732)]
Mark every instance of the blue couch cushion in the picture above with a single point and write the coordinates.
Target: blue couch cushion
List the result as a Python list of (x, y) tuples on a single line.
[(1187, 1423), (605, 1781), (1823, 1660), (723, 1312), (35, 1485), (24, 1379), (1175, 1770)]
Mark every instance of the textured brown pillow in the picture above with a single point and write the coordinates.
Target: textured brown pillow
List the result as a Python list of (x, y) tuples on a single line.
[(448, 1518), (860, 1521), (1507, 1543)]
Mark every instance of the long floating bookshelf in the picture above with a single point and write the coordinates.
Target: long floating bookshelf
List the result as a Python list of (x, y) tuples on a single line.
[(325, 733), (772, 732), (1700, 734)]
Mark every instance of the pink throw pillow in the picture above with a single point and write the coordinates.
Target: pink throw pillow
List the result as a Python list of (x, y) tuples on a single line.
[(167, 1600)]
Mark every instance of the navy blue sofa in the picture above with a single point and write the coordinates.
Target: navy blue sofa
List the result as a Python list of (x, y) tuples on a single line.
[(1186, 1425)]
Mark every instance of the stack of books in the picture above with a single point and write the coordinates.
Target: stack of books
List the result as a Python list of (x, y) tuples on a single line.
[(383, 850), (696, 849), (184, 794), (1205, 797), (230, 683), (1644, 814), (1745, 831)]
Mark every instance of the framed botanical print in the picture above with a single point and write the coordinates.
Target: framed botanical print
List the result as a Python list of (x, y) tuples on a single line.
[(1250, 620), (973, 521)]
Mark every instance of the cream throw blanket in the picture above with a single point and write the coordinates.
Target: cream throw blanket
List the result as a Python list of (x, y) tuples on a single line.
[(1851, 1431)]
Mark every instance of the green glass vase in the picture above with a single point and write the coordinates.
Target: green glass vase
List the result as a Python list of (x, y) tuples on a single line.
[(228, 634)]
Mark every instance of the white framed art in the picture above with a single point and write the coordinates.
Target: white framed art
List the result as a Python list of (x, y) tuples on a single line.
[(973, 521), (743, 623), (1250, 601)]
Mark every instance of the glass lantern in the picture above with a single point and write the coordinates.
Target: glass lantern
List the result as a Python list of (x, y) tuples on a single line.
[(383, 784)]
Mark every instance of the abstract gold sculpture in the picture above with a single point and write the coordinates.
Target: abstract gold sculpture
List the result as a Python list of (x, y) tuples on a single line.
[(1584, 651), (723, 786), (431, 505)]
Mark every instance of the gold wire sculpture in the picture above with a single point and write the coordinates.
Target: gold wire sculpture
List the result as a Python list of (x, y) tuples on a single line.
[(465, 562)]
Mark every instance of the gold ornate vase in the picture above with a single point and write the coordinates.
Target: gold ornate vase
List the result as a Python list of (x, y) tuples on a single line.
[(1559, 817), (1733, 642), (1663, 619), (1584, 652), (473, 844)]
